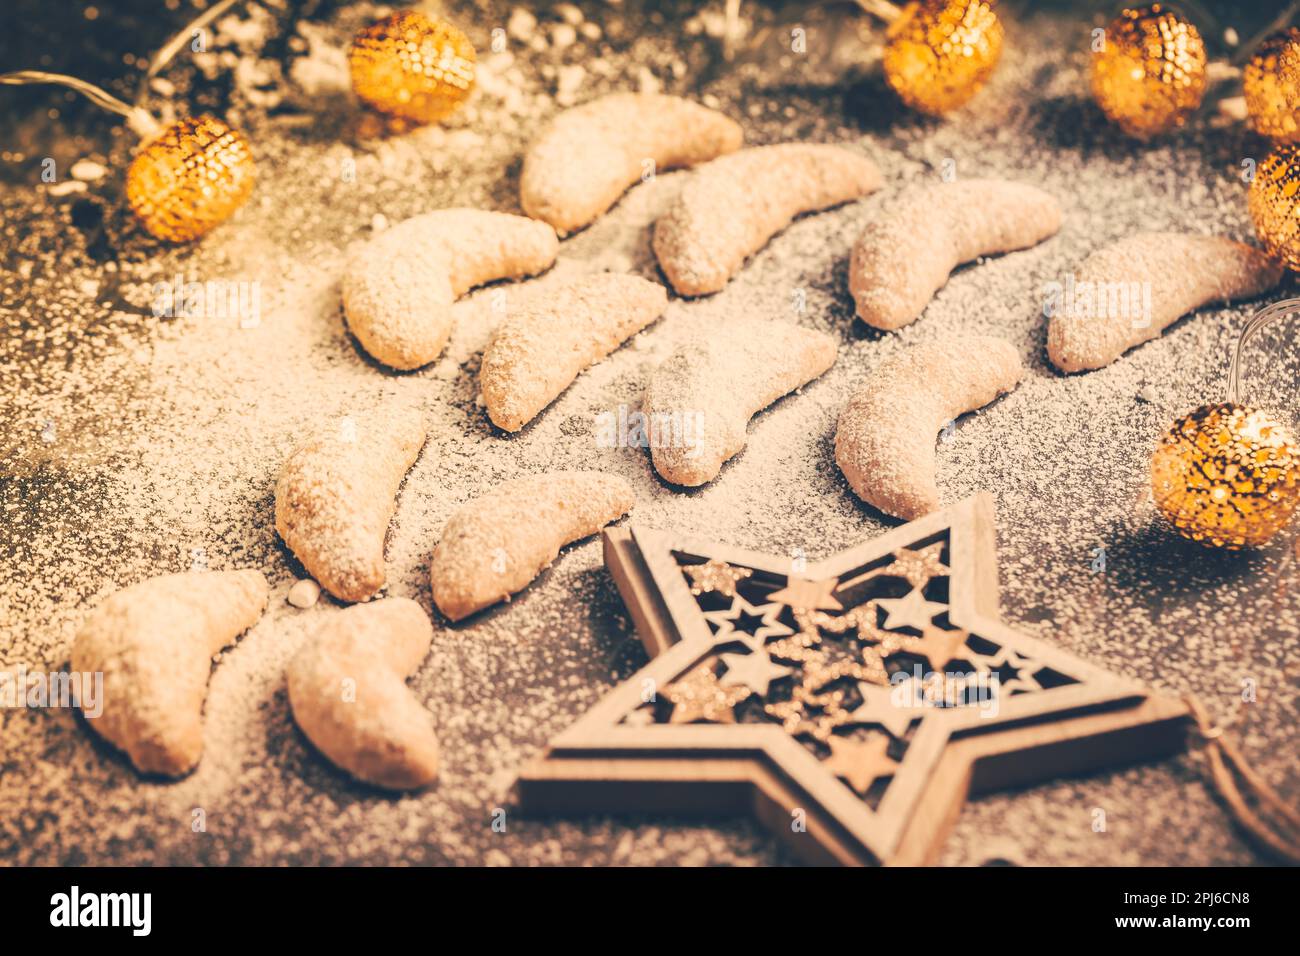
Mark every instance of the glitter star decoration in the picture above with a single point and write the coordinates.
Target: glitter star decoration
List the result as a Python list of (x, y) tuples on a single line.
[(716, 576), (864, 694), (700, 696), (939, 647), (916, 567)]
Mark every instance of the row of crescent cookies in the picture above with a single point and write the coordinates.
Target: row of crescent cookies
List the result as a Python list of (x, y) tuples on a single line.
[(336, 494), (399, 288)]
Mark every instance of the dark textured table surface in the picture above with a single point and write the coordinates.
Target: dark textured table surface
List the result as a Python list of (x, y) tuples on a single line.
[(132, 445)]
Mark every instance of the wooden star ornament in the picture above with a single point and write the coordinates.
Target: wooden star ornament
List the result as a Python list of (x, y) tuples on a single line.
[(797, 721)]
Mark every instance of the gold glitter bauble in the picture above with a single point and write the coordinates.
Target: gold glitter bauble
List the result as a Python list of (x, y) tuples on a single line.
[(412, 67), (190, 177), (941, 52), (1271, 81), (1227, 475), (1274, 203), (1150, 74)]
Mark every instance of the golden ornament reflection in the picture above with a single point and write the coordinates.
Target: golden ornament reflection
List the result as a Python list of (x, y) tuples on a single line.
[(1273, 203), (1227, 475), (189, 178), (1271, 83), (412, 67), (1150, 73), (941, 52)]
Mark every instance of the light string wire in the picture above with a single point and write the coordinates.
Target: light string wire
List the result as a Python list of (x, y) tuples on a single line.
[(137, 117), (881, 9), (173, 46), (1271, 825), (884, 10), (140, 120), (99, 97), (1283, 20), (1264, 317)]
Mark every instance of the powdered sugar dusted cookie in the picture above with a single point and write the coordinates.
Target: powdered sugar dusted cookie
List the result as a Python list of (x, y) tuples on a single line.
[(154, 642), (731, 207), (399, 287), (537, 352), (347, 688), (721, 381), (589, 155), (1133, 289), (336, 495), (500, 541), (885, 440), (901, 260)]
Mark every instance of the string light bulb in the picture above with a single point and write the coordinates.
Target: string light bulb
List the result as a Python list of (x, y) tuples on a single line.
[(1274, 203), (412, 67), (1271, 84), (190, 177), (186, 177), (1151, 71), (1227, 475), (941, 52)]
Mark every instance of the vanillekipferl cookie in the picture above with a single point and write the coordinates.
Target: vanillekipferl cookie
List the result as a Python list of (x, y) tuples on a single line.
[(1130, 291), (719, 381), (589, 155), (399, 287), (728, 209), (537, 351), (497, 543), (885, 440), (337, 493), (905, 256), (154, 642), (348, 693)]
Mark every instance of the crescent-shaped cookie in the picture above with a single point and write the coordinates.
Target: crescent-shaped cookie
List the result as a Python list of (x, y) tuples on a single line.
[(589, 155), (901, 260), (496, 544), (700, 400), (154, 642), (336, 494), (399, 287), (885, 440), (536, 353), (731, 207), (1132, 290), (347, 688)]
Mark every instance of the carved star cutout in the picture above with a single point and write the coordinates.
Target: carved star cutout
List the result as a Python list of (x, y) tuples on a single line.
[(911, 610), (752, 623), (860, 763), (775, 760), (1024, 680), (806, 595), (699, 696), (755, 670), (715, 576)]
